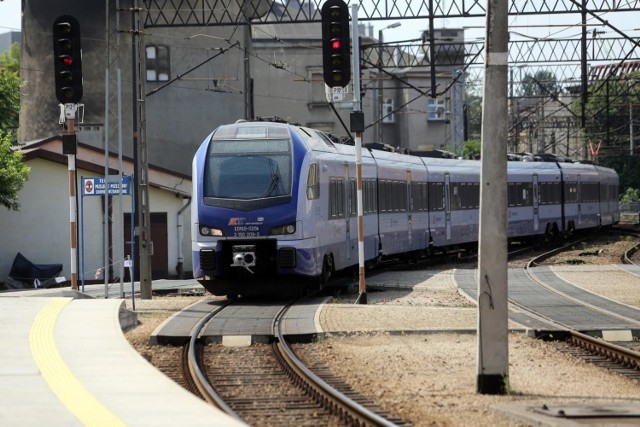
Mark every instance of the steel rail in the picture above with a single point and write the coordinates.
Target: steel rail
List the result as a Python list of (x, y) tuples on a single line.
[(347, 408), (615, 353), (621, 355), (199, 378)]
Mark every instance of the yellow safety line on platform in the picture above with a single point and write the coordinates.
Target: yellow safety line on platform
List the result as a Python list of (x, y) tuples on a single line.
[(78, 400)]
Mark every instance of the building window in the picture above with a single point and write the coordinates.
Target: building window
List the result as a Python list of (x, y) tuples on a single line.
[(157, 63), (436, 109)]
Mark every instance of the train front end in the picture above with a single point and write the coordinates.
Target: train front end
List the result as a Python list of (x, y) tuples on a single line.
[(244, 227)]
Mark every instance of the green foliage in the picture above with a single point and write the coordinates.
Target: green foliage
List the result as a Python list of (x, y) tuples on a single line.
[(13, 173), (474, 116), (9, 101), (607, 110), (11, 60), (542, 83), (10, 89), (631, 195), (472, 148)]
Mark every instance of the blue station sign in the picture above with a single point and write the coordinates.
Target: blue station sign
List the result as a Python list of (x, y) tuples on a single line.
[(99, 186)]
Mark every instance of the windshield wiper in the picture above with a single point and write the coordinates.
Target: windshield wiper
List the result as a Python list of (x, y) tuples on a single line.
[(275, 181)]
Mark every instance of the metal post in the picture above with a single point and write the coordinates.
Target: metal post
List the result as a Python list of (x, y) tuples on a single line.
[(357, 133), (380, 98), (631, 150), (380, 102), (69, 113), (493, 363), (143, 229)]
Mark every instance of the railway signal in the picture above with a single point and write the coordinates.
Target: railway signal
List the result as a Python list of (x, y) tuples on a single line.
[(67, 59), (336, 43)]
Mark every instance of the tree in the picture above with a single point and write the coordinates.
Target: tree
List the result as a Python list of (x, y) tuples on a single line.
[(10, 89), (611, 107), (11, 60), (543, 83), (473, 111), (13, 173)]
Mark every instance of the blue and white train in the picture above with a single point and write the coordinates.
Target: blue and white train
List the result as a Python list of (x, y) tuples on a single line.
[(274, 200)]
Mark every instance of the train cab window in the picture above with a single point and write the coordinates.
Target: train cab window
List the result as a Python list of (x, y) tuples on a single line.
[(313, 182), (248, 169), (336, 198)]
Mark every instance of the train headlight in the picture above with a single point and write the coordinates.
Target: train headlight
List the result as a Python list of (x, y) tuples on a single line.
[(284, 229), (209, 231)]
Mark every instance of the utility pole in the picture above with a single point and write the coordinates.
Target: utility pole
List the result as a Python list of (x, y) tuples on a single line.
[(493, 360), (141, 174)]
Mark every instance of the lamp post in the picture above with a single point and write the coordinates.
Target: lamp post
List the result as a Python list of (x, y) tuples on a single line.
[(380, 64)]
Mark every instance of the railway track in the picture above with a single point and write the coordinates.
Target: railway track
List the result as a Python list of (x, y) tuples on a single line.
[(266, 384), (621, 357)]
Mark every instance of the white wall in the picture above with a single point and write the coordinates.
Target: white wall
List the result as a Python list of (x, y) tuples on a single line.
[(40, 229)]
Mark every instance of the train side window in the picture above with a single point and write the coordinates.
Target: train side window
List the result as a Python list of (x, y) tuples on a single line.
[(419, 197), (353, 194), (476, 195), (374, 195), (366, 197), (512, 194), (454, 196), (313, 182), (336, 198), (571, 192), (527, 193), (382, 196), (436, 196)]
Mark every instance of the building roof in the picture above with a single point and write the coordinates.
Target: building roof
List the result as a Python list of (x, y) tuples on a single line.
[(93, 160)]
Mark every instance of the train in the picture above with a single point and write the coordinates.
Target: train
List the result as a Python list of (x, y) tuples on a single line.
[(276, 203)]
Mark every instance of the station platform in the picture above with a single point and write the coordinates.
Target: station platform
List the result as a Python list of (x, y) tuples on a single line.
[(66, 362)]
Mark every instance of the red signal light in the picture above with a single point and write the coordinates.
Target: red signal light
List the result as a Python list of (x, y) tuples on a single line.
[(336, 44), (67, 60)]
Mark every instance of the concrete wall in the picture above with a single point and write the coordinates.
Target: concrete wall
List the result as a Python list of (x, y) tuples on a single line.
[(286, 71)]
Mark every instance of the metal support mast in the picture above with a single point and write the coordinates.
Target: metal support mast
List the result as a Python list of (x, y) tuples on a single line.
[(357, 127), (143, 229)]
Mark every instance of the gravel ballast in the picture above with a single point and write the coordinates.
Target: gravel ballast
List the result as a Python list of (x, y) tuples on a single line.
[(429, 379)]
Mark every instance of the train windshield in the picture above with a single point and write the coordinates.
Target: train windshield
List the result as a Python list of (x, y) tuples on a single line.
[(248, 169)]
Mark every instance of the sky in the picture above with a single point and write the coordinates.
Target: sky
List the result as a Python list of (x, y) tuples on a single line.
[(556, 26), (10, 15)]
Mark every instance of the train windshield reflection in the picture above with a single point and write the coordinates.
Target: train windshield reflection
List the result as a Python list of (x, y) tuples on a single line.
[(248, 169)]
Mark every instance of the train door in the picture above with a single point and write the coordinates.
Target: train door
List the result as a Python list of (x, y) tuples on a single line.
[(409, 209), (447, 205), (536, 219)]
